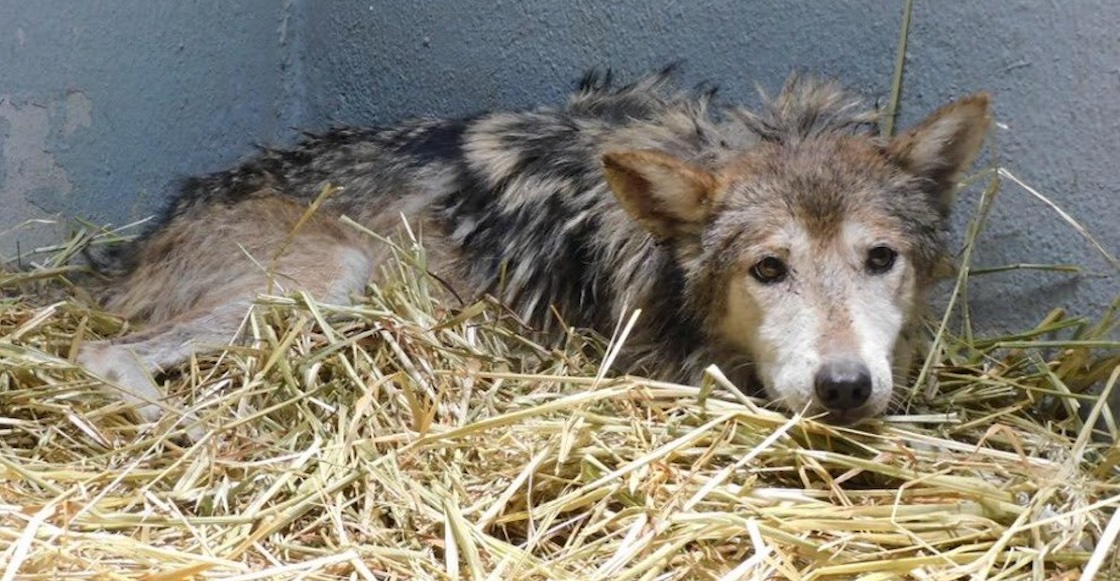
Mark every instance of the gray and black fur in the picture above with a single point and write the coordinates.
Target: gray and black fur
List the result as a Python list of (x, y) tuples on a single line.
[(519, 207)]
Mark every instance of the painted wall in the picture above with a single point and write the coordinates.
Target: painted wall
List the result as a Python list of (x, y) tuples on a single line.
[(103, 105), (1054, 69)]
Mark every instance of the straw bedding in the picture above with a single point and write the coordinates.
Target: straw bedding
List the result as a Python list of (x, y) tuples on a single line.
[(409, 436)]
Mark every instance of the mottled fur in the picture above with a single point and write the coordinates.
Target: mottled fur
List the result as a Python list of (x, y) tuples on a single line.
[(636, 197)]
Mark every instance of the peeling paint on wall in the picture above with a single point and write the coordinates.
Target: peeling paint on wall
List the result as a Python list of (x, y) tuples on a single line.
[(79, 112), (100, 119), (32, 182)]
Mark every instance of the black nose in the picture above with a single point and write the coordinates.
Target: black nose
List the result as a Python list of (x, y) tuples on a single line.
[(842, 385)]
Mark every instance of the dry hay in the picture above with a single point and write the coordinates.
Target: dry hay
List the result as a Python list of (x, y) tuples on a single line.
[(411, 437)]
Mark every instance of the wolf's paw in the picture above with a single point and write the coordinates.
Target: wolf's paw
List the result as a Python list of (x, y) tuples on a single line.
[(123, 372)]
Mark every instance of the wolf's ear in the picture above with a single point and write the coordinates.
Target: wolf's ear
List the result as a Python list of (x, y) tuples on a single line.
[(670, 197), (943, 146)]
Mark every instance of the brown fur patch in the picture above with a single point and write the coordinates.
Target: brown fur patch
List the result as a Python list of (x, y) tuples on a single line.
[(664, 194), (245, 249)]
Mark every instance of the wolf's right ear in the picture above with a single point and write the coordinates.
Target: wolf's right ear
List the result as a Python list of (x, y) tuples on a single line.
[(942, 147), (667, 196)]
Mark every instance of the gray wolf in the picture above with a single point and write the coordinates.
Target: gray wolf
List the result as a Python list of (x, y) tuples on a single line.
[(791, 245)]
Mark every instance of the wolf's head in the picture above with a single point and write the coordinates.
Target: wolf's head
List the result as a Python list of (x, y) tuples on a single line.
[(808, 252)]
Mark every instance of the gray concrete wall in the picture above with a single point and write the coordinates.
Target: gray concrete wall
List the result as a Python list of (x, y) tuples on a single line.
[(103, 104), (1054, 69)]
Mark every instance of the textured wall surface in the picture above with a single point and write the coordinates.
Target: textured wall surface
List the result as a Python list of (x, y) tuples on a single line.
[(1054, 69), (104, 104)]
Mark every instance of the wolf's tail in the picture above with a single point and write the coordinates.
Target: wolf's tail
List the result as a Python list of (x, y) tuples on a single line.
[(112, 261)]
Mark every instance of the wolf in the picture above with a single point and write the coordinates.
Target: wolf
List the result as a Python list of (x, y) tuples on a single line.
[(791, 244)]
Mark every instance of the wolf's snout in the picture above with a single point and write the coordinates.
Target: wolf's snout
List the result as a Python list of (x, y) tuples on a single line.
[(842, 385)]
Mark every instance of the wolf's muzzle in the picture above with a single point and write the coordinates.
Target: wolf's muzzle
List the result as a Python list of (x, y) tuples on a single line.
[(842, 386)]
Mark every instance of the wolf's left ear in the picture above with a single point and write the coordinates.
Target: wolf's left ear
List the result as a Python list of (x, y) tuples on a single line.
[(668, 196), (943, 146)]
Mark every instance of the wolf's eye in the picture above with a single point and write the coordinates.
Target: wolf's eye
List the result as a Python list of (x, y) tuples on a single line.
[(769, 270), (880, 259)]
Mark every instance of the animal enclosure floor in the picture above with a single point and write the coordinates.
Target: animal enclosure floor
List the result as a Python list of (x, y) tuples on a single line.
[(412, 437)]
